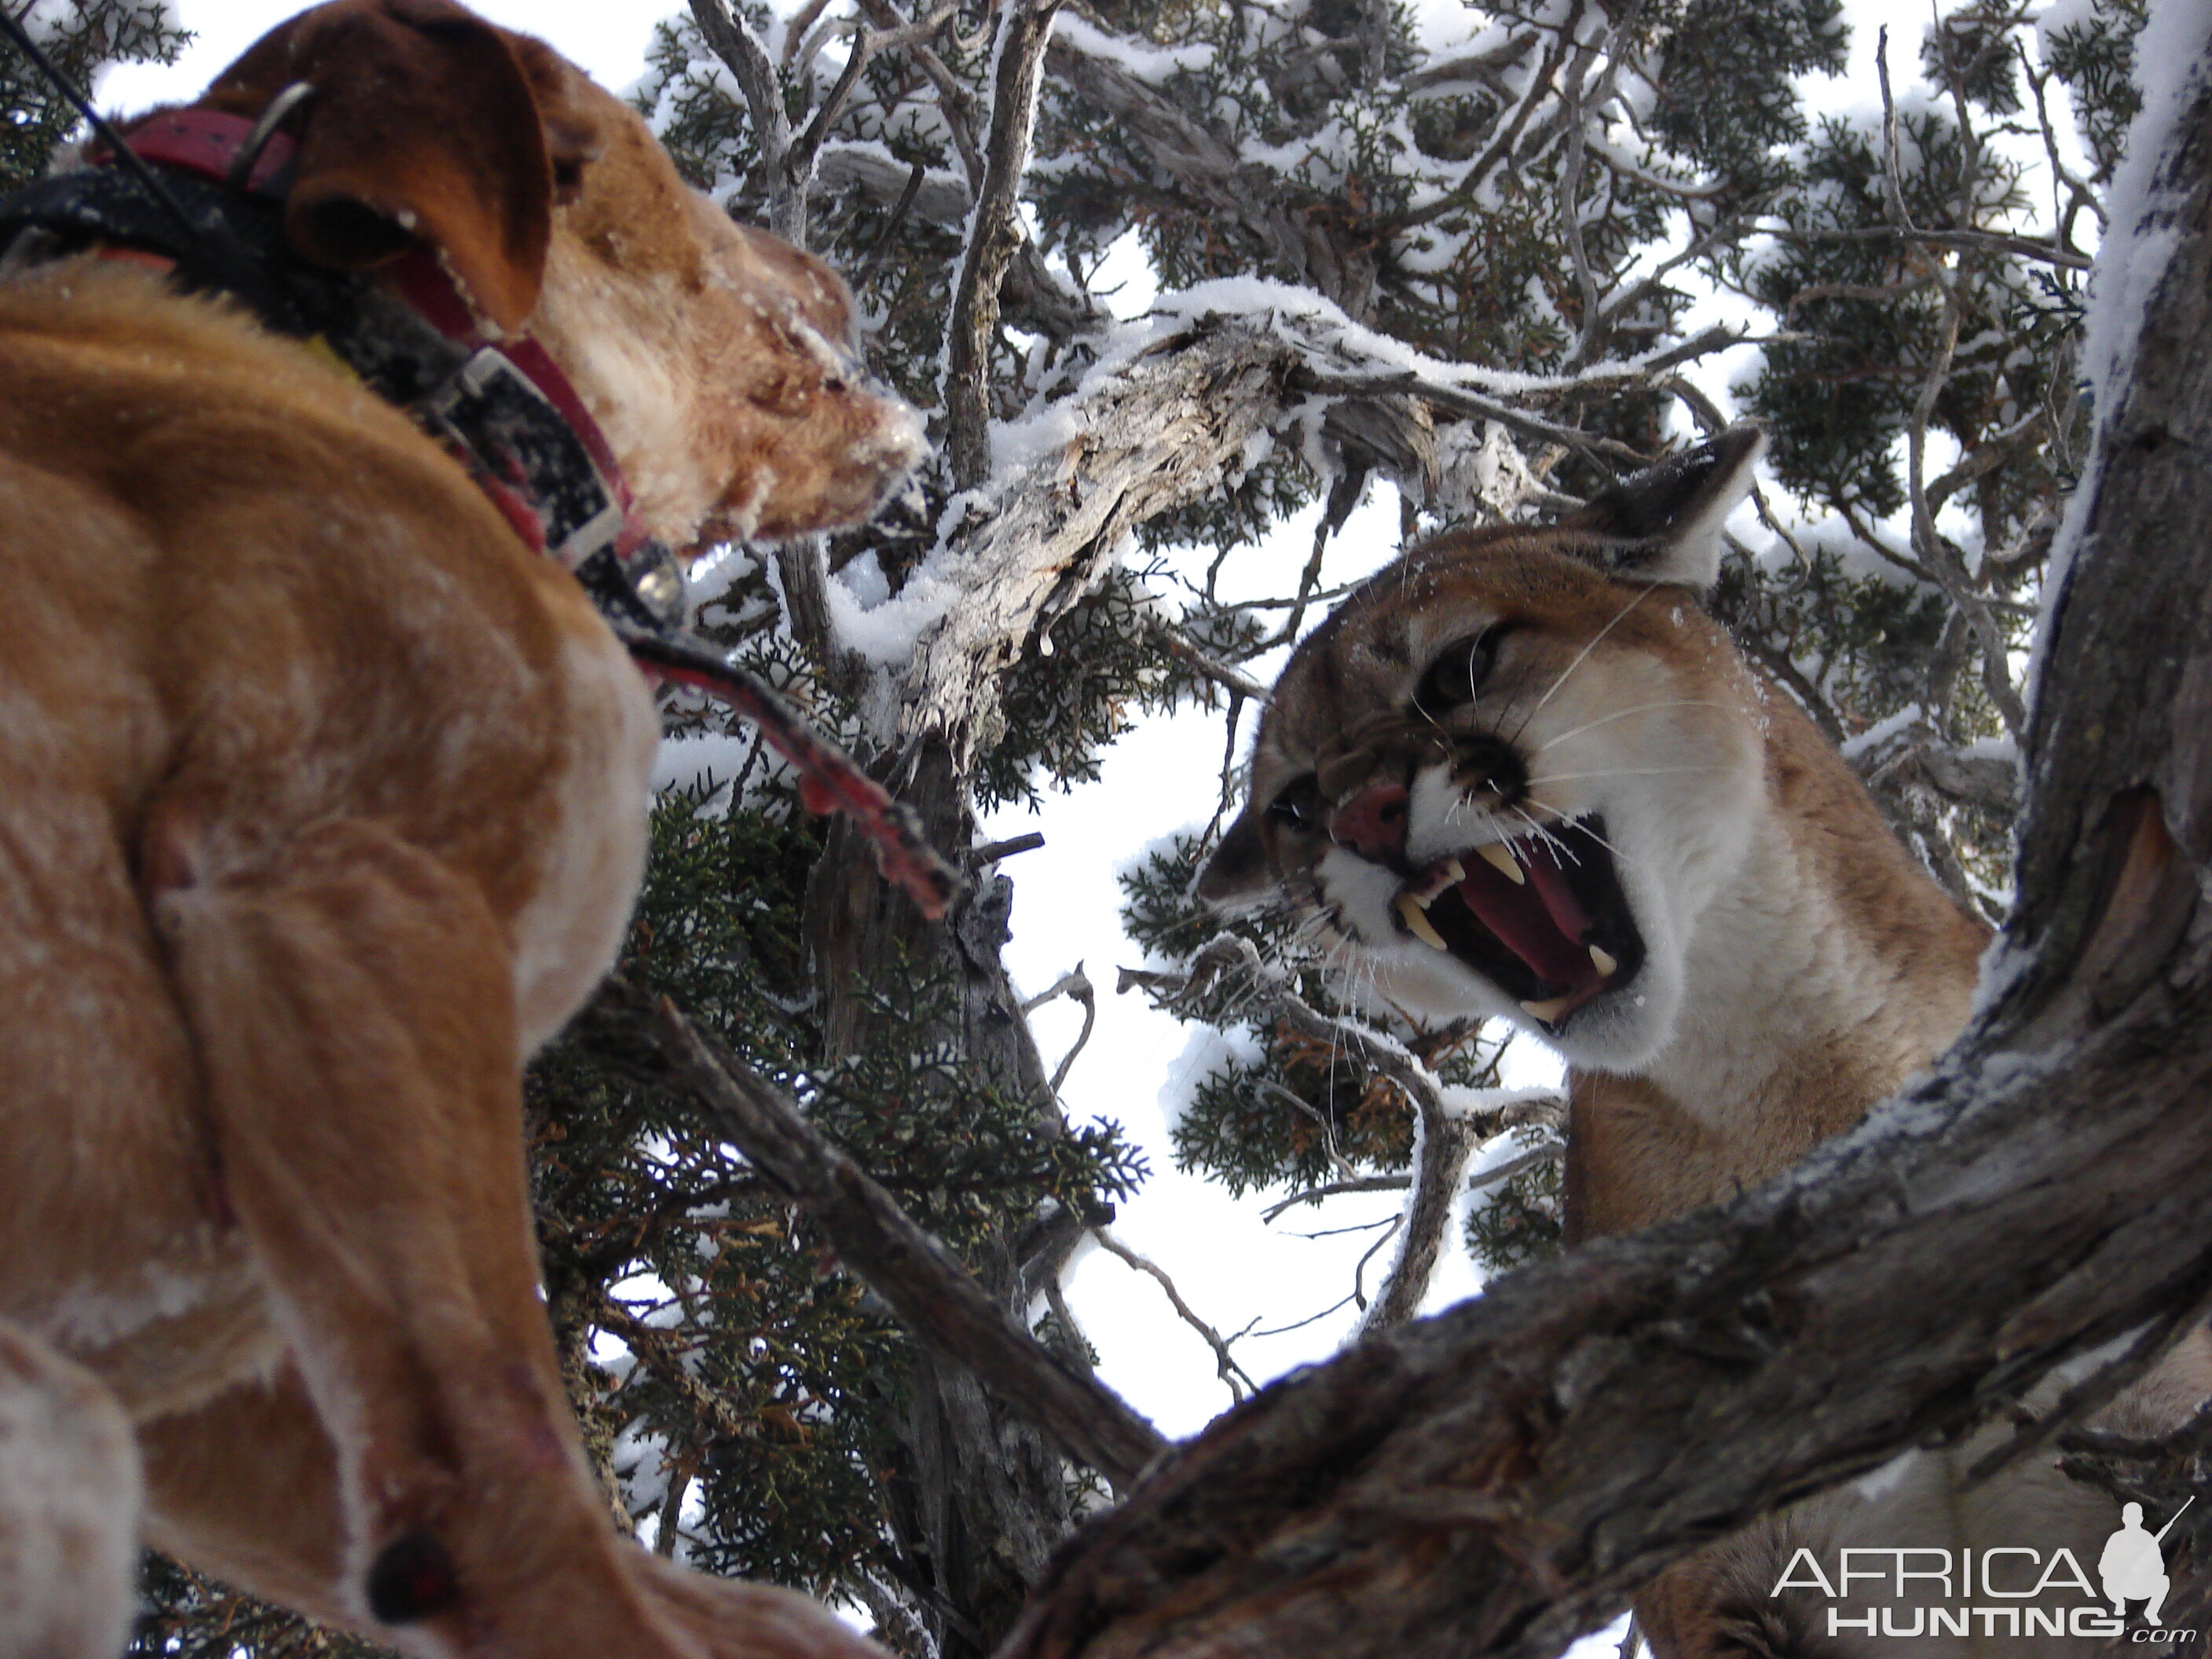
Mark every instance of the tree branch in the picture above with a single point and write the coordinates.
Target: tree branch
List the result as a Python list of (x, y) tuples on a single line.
[(1239, 1381), (732, 40), (994, 239), (932, 1293), (1447, 1138)]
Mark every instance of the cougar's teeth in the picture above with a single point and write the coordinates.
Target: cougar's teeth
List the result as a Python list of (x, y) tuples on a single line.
[(1548, 1012), (1418, 925), (1603, 962), (1454, 872), (1500, 858)]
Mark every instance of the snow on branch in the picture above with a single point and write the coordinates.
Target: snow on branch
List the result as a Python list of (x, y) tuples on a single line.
[(1175, 411)]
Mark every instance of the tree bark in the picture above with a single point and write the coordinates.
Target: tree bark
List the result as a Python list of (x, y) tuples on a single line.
[(1498, 1478), (981, 1499)]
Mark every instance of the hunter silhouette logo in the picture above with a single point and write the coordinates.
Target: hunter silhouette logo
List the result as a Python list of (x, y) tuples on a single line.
[(2134, 1567), (1993, 1592)]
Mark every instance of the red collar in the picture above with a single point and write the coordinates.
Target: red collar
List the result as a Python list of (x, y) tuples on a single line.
[(208, 142)]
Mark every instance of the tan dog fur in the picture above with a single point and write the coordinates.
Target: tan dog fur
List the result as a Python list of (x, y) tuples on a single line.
[(1802, 966), (321, 806)]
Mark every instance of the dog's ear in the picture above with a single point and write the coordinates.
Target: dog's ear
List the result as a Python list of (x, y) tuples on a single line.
[(1664, 525), (422, 129)]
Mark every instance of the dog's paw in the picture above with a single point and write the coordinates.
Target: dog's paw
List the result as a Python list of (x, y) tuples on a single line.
[(730, 1619), (69, 1506)]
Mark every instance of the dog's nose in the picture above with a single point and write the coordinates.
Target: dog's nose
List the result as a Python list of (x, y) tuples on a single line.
[(1372, 824)]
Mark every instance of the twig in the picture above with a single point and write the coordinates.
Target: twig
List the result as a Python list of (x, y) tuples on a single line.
[(955, 103), (1893, 180), (1178, 646), (1240, 1382), (798, 161), (885, 240), (1550, 1150), (1461, 401), (1380, 1183), (991, 851), (1570, 221), (1284, 1330), (1076, 984), (1985, 242), (933, 1296), (1359, 1273)]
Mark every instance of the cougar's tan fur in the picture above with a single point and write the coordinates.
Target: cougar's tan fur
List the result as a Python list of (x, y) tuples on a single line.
[(1799, 965)]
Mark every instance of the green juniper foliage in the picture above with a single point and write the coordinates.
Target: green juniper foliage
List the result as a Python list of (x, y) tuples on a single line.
[(81, 36), (745, 1425)]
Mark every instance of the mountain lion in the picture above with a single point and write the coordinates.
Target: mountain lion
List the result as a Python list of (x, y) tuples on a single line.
[(1525, 775)]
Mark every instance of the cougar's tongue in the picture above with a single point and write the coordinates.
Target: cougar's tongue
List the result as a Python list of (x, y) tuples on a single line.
[(1541, 922)]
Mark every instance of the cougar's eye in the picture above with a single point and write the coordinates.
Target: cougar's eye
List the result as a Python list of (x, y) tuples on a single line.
[(1456, 673), (1298, 805)]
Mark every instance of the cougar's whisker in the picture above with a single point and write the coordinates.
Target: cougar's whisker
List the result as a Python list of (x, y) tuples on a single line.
[(1622, 772), (1623, 713), (1581, 657)]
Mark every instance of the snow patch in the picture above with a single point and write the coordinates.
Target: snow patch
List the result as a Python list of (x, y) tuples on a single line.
[(1153, 65)]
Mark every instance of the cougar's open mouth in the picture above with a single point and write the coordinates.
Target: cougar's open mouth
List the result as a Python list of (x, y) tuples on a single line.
[(1542, 917)]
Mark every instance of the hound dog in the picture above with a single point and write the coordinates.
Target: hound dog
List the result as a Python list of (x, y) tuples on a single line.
[(322, 805)]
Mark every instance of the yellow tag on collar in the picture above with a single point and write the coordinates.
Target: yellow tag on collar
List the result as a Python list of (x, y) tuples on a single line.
[(322, 347)]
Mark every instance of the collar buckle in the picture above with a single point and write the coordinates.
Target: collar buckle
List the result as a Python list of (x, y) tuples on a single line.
[(509, 429)]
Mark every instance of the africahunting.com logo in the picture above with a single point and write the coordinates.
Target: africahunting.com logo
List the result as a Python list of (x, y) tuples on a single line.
[(2006, 1591)]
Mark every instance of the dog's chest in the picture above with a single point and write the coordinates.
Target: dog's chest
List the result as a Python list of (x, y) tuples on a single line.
[(589, 850)]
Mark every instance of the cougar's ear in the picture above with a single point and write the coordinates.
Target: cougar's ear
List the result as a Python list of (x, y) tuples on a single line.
[(422, 129), (1238, 871), (1664, 525)]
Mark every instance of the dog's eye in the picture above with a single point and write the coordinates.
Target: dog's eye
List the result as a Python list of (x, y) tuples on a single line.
[(1298, 805), (1456, 673)]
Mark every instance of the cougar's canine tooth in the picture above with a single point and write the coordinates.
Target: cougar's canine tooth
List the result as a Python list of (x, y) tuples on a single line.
[(1499, 857), (1418, 925)]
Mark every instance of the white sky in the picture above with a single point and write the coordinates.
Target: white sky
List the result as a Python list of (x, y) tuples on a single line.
[(1158, 780)]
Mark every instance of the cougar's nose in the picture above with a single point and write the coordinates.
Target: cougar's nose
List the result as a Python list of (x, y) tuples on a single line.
[(1372, 824)]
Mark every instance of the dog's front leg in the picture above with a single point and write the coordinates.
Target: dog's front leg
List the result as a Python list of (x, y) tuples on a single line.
[(351, 1002), (246, 1487), (69, 1506)]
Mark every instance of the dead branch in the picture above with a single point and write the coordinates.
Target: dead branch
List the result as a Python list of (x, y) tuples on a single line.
[(1447, 1139), (1377, 1183), (1239, 1381), (1171, 426), (931, 1292), (1169, 430), (1074, 984), (1497, 1480), (2041, 249)]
